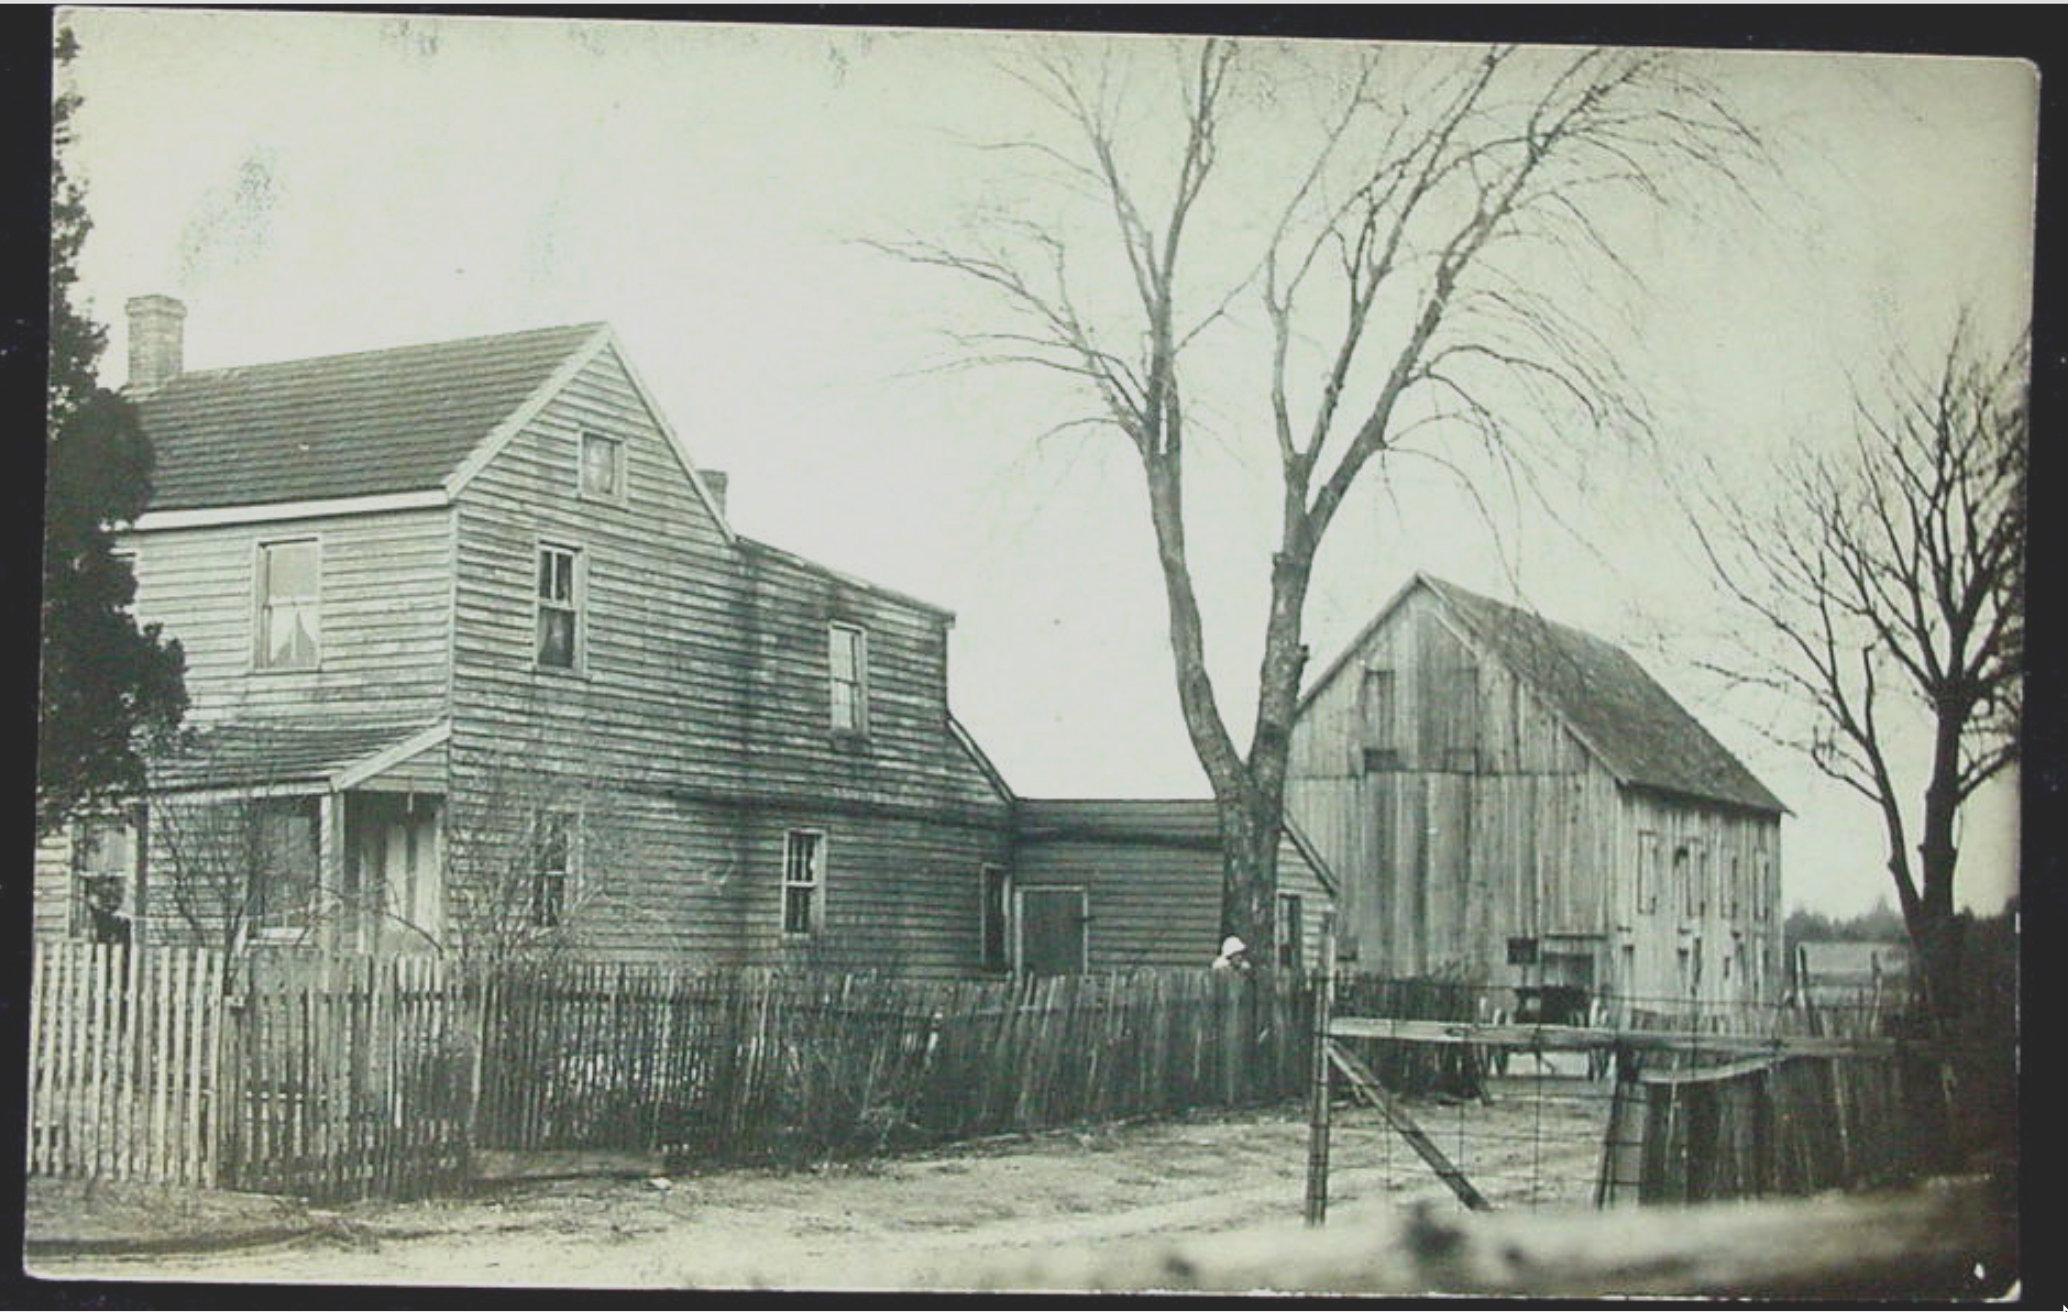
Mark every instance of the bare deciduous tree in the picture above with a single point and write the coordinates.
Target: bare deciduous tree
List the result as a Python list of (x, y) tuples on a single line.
[(1397, 271), (1892, 576)]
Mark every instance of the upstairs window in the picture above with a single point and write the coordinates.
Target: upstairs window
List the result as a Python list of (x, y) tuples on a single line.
[(1381, 749), (603, 467), (559, 605), (848, 664), (804, 882), (553, 841), (289, 607)]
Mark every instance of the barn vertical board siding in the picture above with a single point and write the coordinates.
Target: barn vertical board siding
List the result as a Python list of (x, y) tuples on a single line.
[(1553, 833)]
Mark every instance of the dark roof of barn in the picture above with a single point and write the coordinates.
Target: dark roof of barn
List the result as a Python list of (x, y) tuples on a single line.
[(1645, 737), (364, 424), (1179, 822), (272, 755)]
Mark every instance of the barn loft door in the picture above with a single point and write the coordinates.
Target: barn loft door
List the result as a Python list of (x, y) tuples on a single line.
[(1053, 923)]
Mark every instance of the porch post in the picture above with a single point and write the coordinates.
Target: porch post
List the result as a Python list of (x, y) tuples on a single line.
[(330, 868)]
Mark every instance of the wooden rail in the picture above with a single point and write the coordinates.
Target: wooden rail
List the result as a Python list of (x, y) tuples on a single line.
[(1586, 1038), (1367, 1087)]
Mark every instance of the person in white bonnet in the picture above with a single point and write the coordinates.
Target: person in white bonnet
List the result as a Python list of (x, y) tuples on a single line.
[(1234, 955)]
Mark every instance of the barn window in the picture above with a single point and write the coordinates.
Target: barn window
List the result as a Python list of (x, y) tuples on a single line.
[(603, 467), (1292, 931), (1459, 709), (559, 608), (996, 918), (804, 881), (289, 605), (1381, 743), (104, 857), (1647, 871), (1762, 872), (847, 654), (1733, 892), (553, 841), (1684, 879)]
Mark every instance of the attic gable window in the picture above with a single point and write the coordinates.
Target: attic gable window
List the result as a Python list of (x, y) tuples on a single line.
[(559, 607), (289, 605), (603, 468), (848, 666)]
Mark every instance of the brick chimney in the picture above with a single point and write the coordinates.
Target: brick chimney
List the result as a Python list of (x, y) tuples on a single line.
[(157, 340), (715, 483)]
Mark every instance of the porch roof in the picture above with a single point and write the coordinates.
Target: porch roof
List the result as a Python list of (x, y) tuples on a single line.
[(294, 758)]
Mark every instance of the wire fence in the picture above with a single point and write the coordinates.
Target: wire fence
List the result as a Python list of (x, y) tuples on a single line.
[(1526, 1097)]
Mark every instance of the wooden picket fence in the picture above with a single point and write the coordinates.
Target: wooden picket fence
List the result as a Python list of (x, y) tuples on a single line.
[(757, 1066), (124, 1051), (346, 1076)]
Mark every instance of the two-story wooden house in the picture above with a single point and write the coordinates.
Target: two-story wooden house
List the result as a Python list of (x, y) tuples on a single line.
[(476, 660), (1511, 800), (474, 655)]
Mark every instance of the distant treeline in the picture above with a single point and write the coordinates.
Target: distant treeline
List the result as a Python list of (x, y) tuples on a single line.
[(1880, 925)]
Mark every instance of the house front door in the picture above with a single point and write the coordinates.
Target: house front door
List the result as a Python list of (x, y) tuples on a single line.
[(394, 872), (1053, 924)]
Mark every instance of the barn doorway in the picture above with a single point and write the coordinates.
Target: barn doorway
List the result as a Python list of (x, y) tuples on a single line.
[(1054, 923)]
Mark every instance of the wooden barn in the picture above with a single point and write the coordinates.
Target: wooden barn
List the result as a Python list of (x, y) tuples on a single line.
[(477, 660), (1510, 800)]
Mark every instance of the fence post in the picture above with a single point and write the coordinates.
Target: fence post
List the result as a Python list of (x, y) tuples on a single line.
[(1318, 1105)]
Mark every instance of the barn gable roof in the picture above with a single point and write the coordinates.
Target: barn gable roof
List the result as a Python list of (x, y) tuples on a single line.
[(1630, 723)]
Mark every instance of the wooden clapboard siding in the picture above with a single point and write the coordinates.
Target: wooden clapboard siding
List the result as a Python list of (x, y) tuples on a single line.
[(908, 753), (1152, 877), (900, 895), (659, 694), (1494, 820), (698, 728), (383, 627)]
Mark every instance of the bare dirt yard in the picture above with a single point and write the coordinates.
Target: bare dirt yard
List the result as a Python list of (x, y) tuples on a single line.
[(911, 1222)]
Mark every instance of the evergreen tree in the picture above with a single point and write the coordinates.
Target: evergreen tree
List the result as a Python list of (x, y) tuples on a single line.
[(109, 687)]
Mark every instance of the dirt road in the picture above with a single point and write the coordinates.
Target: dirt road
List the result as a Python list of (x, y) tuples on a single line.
[(915, 1222)]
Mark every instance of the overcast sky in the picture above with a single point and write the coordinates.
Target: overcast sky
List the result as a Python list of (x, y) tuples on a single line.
[(313, 183)]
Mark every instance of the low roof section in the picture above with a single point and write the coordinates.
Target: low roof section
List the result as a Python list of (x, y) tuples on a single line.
[(291, 758), (1192, 823)]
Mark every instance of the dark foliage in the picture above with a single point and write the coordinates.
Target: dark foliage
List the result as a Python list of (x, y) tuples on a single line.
[(108, 685)]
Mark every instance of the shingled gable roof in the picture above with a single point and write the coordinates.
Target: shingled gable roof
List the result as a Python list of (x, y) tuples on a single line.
[(409, 419), (1635, 728)]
